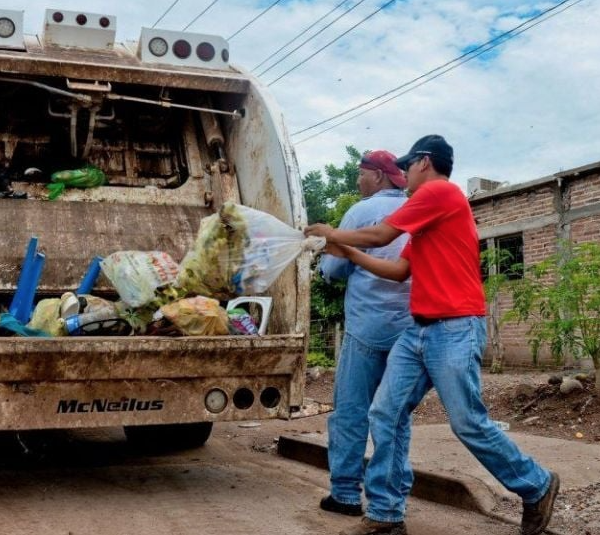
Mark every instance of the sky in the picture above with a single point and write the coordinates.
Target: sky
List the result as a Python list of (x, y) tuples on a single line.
[(527, 109)]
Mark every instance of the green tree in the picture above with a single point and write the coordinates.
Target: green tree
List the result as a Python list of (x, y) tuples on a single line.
[(327, 200), (314, 195), (560, 300)]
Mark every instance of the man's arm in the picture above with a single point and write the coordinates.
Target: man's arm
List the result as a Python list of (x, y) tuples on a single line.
[(375, 236), (396, 270)]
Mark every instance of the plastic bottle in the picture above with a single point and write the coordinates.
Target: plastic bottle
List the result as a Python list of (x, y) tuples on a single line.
[(89, 322)]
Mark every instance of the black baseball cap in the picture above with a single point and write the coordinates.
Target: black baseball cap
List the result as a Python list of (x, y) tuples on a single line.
[(432, 145)]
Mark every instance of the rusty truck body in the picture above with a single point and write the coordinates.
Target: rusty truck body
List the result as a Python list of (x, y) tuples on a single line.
[(175, 142)]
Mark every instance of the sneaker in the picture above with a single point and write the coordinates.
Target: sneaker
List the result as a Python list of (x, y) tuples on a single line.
[(333, 506), (372, 527), (536, 516)]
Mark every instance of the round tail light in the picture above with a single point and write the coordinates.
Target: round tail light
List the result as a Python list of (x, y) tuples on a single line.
[(158, 46), (7, 27), (81, 19), (205, 51), (58, 17), (182, 49), (104, 22), (216, 400)]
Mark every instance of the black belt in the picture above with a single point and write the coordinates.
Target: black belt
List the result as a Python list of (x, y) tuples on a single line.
[(424, 322)]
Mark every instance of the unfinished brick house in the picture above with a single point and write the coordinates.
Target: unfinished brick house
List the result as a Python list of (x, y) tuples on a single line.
[(529, 219)]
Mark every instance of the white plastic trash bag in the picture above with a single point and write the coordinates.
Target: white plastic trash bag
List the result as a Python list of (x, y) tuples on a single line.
[(240, 251), (136, 275)]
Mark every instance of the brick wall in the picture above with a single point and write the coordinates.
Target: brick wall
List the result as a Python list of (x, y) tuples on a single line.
[(585, 192), (580, 192)]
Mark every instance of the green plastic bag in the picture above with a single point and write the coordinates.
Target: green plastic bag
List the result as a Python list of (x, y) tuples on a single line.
[(86, 177)]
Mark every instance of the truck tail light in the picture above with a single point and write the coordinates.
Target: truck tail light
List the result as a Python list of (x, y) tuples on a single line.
[(182, 49), (205, 51), (58, 17), (81, 19)]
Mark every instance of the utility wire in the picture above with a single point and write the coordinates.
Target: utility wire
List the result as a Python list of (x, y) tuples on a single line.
[(300, 34), (390, 2), (253, 20), (465, 58), (165, 13), (200, 14), (432, 71), (311, 37)]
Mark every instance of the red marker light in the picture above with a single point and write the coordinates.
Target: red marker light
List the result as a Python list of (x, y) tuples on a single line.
[(205, 51), (104, 22), (57, 16), (81, 19), (182, 49)]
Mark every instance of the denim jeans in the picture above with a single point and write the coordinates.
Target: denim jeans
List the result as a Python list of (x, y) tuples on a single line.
[(447, 355), (357, 377)]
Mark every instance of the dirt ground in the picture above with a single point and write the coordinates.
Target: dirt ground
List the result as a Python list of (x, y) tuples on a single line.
[(524, 400), (528, 404)]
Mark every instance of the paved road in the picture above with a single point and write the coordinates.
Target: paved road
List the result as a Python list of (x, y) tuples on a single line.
[(93, 484)]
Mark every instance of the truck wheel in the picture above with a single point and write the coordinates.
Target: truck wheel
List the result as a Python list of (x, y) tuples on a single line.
[(168, 437)]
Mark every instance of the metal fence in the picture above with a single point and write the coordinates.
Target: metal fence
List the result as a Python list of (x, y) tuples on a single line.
[(325, 337)]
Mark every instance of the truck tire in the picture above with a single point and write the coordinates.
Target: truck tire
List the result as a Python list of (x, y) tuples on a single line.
[(170, 437)]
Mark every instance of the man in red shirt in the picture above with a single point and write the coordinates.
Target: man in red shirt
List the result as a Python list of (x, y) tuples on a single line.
[(444, 348)]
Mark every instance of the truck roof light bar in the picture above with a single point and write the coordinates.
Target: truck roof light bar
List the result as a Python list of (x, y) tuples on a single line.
[(11, 30), (81, 30), (183, 49)]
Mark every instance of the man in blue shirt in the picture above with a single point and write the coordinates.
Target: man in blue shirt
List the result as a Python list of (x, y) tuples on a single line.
[(376, 313)]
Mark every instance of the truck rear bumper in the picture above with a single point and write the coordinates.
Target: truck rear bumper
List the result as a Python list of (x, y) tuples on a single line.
[(96, 382)]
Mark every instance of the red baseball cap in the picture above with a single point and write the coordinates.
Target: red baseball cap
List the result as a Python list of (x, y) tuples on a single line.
[(385, 161)]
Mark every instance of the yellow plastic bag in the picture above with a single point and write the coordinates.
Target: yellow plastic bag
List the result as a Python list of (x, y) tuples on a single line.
[(46, 317), (197, 316)]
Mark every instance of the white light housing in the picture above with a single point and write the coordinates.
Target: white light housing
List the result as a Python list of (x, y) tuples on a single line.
[(79, 29), (184, 49), (216, 400), (11, 30)]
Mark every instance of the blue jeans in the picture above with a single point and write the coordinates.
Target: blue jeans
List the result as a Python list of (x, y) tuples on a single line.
[(447, 355), (357, 377)]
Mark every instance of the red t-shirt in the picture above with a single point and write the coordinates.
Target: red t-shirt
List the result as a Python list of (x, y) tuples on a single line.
[(443, 252)]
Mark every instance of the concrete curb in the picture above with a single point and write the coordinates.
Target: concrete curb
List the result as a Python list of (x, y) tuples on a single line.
[(463, 492)]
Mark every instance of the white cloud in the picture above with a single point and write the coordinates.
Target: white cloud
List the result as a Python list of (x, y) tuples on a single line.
[(527, 110)]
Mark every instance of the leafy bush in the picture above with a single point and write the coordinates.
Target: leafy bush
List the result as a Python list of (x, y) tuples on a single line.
[(317, 358)]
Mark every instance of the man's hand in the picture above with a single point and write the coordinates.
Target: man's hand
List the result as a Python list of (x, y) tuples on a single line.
[(341, 251), (319, 229)]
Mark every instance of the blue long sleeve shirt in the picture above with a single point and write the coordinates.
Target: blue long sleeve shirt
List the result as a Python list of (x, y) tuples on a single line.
[(376, 309)]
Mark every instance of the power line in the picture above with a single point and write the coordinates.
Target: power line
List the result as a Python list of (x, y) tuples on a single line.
[(312, 37), (201, 13), (331, 42), (298, 36), (432, 71), (253, 20), (464, 58), (165, 13)]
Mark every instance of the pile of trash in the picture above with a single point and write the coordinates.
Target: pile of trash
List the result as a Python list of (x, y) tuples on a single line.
[(238, 251)]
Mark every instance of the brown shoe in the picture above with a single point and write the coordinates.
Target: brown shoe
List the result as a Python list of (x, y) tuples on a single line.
[(372, 527), (536, 516)]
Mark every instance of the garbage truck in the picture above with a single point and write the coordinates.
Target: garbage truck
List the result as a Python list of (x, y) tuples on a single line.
[(177, 131)]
